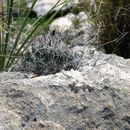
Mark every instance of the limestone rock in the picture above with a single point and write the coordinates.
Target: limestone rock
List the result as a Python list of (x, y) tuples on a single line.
[(44, 125), (61, 24), (11, 75), (43, 6), (96, 96)]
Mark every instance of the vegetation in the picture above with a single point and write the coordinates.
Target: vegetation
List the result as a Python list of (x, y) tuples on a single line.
[(112, 20), (16, 29), (48, 54)]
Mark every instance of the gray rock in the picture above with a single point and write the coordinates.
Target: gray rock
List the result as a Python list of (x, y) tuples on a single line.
[(96, 96), (43, 6), (12, 75), (61, 24)]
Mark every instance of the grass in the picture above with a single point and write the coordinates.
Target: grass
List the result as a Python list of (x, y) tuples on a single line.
[(112, 21), (17, 32)]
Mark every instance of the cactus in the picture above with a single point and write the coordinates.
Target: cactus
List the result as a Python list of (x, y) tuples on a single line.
[(48, 54)]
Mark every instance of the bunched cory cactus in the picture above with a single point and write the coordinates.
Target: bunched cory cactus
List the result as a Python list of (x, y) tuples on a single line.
[(48, 54)]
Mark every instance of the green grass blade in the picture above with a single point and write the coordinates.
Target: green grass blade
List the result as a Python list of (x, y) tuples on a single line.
[(9, 16), (44, 26), (5, 44), (21, 29), (36, 24)]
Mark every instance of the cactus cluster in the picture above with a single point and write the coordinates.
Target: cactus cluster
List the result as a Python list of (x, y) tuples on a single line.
[(48, 54)]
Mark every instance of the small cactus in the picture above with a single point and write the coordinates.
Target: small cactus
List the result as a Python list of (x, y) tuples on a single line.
[(48, 54)]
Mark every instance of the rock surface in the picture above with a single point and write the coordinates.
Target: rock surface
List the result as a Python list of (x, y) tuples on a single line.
[(94, 97), (62, 24), (43, 6)]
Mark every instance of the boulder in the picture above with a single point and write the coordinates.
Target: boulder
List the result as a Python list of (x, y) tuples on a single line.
[(95, 96), (43, 6), (62, 24)]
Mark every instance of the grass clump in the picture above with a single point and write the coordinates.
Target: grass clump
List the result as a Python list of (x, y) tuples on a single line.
[(112, 20), (15, 33)]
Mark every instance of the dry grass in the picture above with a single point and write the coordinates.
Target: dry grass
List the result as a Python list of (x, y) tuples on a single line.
[(112, 20)]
